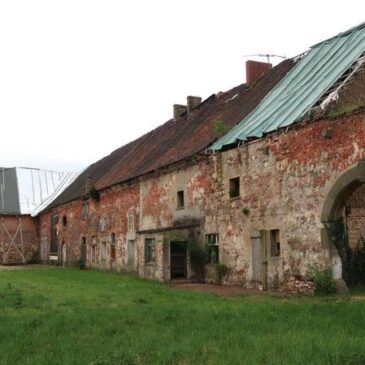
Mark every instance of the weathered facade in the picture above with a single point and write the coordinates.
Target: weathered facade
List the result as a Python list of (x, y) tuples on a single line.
[(258, 205)]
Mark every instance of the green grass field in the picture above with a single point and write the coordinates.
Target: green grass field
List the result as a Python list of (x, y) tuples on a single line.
[(66, 316)]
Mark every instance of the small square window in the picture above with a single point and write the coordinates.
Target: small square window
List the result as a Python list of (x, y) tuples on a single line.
[(234, 187), (212, 241), (274, 243), (180, 199), (149, 250)]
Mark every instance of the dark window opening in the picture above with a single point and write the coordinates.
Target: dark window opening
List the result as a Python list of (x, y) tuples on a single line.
[(180, 199), (85, 209), (234, 187), (64, 221), (274, 243), (112, 247), (212, 241), (93, 248), (149, 250), (83, 249)]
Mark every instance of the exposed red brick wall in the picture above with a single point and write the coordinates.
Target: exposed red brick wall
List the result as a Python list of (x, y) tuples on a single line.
[(15, 226), (355, 217)]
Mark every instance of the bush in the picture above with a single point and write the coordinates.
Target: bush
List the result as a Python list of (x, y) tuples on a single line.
[(221, 270), (80, 264), (198, 258), (322, 278)]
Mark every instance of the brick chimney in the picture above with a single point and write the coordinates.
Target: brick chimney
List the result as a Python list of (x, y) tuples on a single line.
[(178, 110), (255, 70), (192, 102)]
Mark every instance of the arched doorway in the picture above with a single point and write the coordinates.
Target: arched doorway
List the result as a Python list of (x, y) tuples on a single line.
[(345, 201)]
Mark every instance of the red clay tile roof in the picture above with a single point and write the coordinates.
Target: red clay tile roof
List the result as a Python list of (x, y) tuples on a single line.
[(175, 140)]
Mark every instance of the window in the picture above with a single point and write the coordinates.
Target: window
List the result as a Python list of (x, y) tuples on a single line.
[(274, 243), (93, 248), (212, 241), (131, 222), (85, 209), (234, 187), (180, 199), (64, 221), (112, 247), (103, 251), (149, 250), (93, 253)]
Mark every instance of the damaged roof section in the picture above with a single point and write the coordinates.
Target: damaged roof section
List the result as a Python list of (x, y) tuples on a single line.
[(290, 100), (178, 139), (25, 190)]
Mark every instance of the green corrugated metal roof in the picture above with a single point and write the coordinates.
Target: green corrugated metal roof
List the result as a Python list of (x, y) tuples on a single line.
[(299, 90)]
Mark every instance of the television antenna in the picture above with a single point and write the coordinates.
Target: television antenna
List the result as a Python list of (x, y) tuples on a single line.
[(265, 55)]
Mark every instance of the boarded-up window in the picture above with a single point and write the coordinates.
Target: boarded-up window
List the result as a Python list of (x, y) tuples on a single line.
[(149, 250), (112, 247)]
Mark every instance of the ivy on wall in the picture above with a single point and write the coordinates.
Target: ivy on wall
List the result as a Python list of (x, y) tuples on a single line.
[(353, 260)]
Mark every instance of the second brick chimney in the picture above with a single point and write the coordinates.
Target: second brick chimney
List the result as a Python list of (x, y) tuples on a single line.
[(192, 102), (255, 70)]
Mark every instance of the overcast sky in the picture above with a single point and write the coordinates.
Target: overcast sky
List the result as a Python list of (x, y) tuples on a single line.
[(81, 78)]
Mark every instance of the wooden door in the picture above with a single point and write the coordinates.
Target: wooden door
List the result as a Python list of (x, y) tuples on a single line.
[(178, 260)]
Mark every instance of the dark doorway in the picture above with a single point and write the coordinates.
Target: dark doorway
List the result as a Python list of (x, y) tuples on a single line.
[(178, 260)]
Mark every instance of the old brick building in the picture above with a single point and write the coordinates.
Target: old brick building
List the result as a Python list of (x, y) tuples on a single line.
[(23, 193), (252, 172)]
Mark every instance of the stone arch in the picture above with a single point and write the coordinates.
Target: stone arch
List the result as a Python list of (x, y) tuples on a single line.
[(341, 189), (333, 207)]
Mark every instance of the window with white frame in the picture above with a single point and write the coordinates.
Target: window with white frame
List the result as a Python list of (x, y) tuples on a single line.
[(212, 241), (149, 250)]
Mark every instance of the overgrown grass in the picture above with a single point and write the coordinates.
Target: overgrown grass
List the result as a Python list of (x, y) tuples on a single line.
[(66, 316)]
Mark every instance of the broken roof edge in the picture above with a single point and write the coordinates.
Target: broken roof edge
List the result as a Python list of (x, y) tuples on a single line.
[(339, 35), (283, 105)]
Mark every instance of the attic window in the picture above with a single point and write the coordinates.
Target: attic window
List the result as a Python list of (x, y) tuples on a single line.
[(234, 187), (180, 199)]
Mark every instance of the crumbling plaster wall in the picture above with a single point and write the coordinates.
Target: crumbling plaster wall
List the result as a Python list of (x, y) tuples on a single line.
[(284, 181)]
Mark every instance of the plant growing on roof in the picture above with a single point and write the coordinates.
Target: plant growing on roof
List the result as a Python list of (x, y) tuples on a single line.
[(220, 128), (94, 193)]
